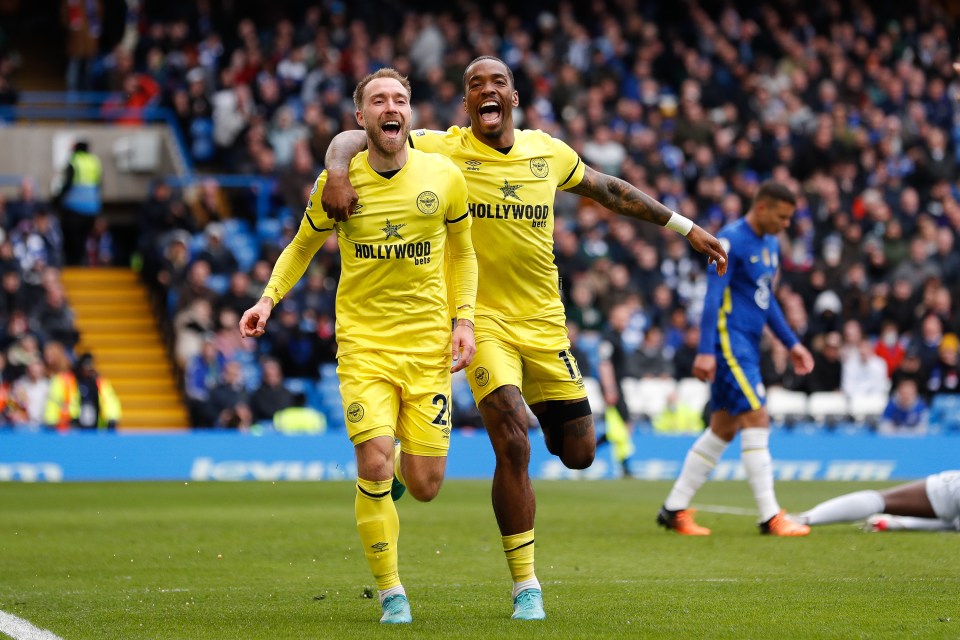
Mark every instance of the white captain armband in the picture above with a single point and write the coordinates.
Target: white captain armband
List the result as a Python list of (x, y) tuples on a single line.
[(679, 224)]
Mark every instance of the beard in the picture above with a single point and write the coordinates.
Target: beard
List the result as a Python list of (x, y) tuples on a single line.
[(379, 141)]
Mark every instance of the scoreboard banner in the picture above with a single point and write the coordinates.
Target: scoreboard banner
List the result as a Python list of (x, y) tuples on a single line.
[(228, 456)]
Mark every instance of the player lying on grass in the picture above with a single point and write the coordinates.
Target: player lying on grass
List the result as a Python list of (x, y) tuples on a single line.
[(932, 504), (393, 325)]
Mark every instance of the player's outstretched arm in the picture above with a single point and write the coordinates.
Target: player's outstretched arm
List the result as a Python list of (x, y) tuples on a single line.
[(338, 197), (254, 321), (624, 198)]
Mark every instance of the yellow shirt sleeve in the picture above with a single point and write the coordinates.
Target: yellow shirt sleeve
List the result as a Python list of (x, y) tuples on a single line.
[(572, 167), (462, 266), (314, 230)]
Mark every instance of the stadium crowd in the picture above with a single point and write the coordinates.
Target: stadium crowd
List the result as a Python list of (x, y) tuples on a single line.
[(852, 104)]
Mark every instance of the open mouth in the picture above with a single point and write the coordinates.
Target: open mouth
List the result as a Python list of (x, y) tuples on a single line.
[(490, 112), (391, 128)]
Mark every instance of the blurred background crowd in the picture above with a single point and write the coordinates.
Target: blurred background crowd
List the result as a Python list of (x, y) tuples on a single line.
[(853, 104)]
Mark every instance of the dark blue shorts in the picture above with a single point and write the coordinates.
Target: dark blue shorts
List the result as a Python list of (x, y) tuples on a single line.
[(737, 387)]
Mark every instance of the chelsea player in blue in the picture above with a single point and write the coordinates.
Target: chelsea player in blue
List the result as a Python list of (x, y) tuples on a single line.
[(738, 305)]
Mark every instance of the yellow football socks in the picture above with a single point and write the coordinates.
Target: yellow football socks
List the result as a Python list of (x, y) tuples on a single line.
[(379, 528), (519, 551)]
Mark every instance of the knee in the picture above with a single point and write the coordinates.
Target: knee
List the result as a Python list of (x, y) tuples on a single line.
[(580, 456), (425, 490), (511, 444)]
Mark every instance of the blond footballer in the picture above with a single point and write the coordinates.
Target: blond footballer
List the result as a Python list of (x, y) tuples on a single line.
[(393, 323)]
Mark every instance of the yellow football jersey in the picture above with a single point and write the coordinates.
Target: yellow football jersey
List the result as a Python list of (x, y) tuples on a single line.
[(392, 293), (511, 200)]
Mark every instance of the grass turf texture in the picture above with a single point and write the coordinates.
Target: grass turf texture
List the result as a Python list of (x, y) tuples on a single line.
[(259, 560)]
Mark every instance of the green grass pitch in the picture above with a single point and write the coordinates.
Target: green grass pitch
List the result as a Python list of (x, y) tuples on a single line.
[(198, 561)]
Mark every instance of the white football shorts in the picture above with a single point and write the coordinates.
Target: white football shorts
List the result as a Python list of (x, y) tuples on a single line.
[(943, 489)]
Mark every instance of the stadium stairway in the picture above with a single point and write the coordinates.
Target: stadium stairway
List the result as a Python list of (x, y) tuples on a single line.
[(116, 325)]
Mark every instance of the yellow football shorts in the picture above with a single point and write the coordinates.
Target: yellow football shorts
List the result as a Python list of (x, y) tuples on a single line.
[(533, 355), (400, 395)]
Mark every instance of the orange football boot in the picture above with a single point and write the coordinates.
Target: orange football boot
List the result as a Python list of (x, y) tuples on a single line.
[(781, 525), (681, 521)]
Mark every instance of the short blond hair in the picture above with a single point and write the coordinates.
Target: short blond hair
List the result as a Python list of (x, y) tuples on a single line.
[(386, 72)]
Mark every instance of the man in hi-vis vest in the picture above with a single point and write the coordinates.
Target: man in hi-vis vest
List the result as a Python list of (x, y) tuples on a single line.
[(79, 200)]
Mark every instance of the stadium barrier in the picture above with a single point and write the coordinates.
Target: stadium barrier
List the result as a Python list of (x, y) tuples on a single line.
[(228, 456)]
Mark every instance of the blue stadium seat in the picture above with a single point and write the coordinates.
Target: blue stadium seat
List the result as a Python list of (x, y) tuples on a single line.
[(218, 283), (328, 370), (235, 226), (297, 385), (945, 411), (251, 376), (269, 229)]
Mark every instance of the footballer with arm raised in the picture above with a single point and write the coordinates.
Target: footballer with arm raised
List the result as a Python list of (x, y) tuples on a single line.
[(394, 343), (523, 353)]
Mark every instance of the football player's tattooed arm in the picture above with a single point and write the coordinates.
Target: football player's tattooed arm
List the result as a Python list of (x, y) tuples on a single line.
[(621, 196), (338, 197), (624, 198)]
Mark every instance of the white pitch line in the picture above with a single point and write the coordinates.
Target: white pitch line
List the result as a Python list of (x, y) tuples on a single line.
[(717, 508), (20, 629)]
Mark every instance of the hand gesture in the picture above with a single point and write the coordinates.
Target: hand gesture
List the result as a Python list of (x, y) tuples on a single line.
[(338, 198), (705, 366), (801, 359), (464, 345), (706, 244), (254, 320)]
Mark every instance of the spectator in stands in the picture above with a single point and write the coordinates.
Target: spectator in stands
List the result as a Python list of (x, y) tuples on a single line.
[(944, 377), (285, 135), (81, 399), (98, 247), (172, 271), (229, 399), (863, 372), (83, 20), (828, 365), (649, 361), (917, 268), (297, 351), (202, 374), (890, 347), (906, 412), (208, 203), (298, 418), (12, 295), (79, 199), (26, 205), (271, 396), (237, 298), (194, 325), (7, 406), (138, 92), (686, 353), (227, 339), (678, 418), (20, 340), (931, 335), (28, 396), (215, 252), (55, 318), (195, 286)]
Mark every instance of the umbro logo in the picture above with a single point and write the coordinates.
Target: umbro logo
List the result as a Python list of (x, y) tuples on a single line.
[(473, 165), (357, 207), (380, 547)]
